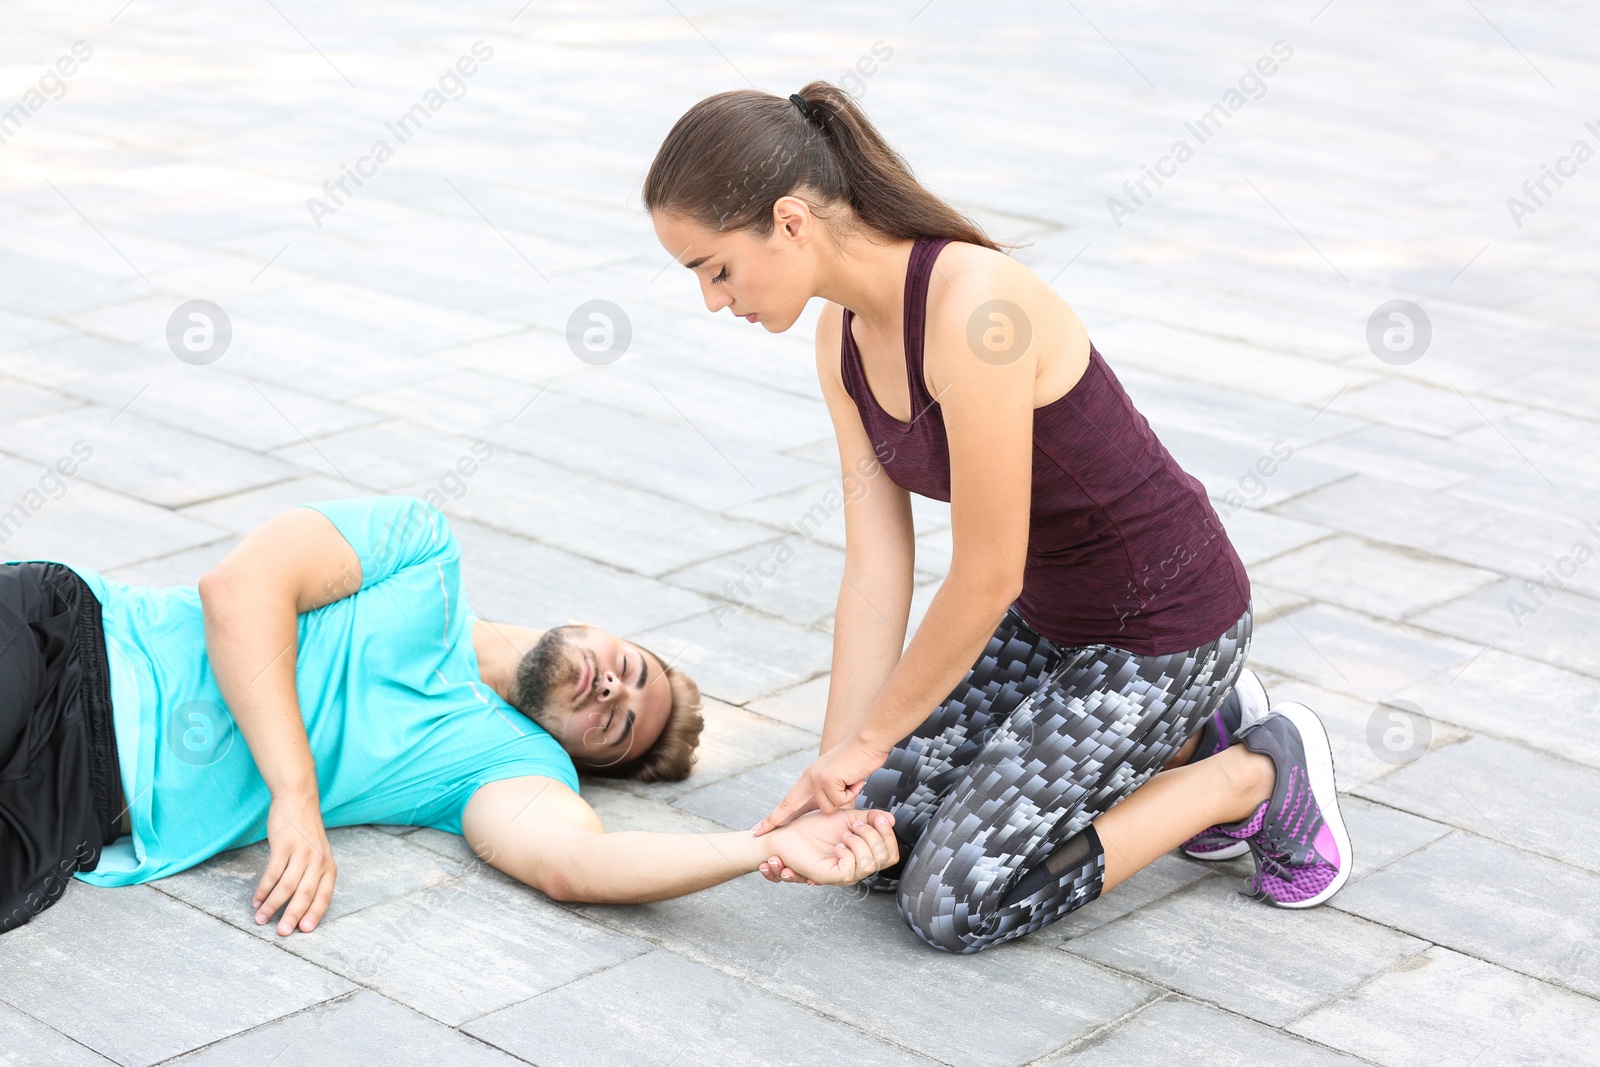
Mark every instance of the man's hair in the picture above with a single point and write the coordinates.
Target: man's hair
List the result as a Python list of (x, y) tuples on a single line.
[(672, 757)]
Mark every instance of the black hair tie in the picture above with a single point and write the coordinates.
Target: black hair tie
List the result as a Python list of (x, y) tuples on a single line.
[(805, 108)]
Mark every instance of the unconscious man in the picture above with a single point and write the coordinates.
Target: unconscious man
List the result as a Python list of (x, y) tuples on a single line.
[(329, 672)]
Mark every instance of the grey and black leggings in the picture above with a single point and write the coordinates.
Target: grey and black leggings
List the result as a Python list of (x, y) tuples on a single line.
[(994, 794)]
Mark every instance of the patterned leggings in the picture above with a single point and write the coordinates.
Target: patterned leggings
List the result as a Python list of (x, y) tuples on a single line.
[(994, 794)]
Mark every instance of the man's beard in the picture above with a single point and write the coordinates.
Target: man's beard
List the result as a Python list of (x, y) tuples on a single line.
[(546, 668)]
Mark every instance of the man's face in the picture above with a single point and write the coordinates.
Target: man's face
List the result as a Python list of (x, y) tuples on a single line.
[(604, 699)]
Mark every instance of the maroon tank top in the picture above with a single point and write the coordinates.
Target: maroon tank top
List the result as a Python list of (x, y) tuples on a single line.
[(1124, 548)]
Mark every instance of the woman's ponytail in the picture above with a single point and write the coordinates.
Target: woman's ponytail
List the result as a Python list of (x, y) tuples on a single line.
[(731, 156)]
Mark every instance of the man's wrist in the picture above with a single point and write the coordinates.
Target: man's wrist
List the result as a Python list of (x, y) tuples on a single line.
[(753, 851), (303, 794)]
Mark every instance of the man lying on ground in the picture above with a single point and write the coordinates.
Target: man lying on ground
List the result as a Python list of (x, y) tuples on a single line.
[(331, 672)]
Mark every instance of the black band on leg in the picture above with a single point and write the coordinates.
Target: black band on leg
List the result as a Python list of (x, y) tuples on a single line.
[(1080, 855)]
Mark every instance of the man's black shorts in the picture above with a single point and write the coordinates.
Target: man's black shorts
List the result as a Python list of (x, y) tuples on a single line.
[(60, 786)]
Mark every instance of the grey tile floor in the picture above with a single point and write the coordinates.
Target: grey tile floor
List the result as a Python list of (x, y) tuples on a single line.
[(1427, 491)]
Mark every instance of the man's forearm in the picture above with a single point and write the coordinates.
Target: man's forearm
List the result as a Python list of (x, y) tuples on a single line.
[(636, 867)]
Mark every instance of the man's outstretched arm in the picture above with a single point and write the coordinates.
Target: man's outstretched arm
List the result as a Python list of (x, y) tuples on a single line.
[(252, 600), (544, 835)]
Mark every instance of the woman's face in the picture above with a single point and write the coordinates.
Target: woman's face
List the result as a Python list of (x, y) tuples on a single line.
[(765, 277)]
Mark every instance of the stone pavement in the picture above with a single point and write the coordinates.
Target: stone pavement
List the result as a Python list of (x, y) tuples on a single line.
[(1400, 487)]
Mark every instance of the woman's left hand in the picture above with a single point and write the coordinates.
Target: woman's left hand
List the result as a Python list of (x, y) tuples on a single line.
[(829, 784)]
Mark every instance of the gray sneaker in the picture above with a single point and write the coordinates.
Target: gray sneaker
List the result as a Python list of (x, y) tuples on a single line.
[(1297, 836)]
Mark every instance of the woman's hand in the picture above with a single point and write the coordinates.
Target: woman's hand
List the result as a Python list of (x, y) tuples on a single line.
[(829, 784), (837, 849), (301, 870)]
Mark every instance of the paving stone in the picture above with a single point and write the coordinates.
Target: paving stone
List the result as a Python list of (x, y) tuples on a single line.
[(623, 527), (621, 808), (387, 456), (74, 356), (1231, 468), (1375, 579), (85, 525), (243, 512), (1166, 875), (795, 580), (297, 353), (1186, 354), (676, 1009), (1350, 653), (463, 948), (1497, 1017), (362, 1028), (1357, 757), (1407, 457), (1539, 439), (223, 406), (21, 331), (1523, 917), (1416, 406), (1556, 629), (741, 656), (742, 800), (1559, 488), (19, 400), (178, 568), (804, 705), (1211, 942), (1183, 1031), (27, 1042), (1269, 602), (464, 403), (846, 954), (511, 579), (1260, 535), (734, 741), (678, 461), (1551, 387), (73, 968), (1520, 699), (1447, 785), (1251, 420), (673, 391), (530, 356), (1387, 511), (156, 463), (815, 512), (40, 287), (1381, 834), (373, 867)]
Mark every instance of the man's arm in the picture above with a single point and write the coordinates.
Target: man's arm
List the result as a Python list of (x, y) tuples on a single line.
[(544, 835), (291, 564)]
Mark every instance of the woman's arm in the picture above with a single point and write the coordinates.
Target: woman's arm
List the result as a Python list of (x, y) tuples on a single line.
[(987, 403), (252, 600), (869, 626), (544, 835)]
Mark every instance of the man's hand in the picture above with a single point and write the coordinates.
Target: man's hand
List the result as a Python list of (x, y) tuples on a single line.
[(829, 785), (301, 871), (837, 849)]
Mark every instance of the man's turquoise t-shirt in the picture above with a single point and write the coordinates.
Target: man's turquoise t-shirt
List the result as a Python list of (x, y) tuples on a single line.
[(401, 725)]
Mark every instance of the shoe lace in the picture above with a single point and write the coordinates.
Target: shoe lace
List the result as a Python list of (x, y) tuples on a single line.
[(1274, 862)]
